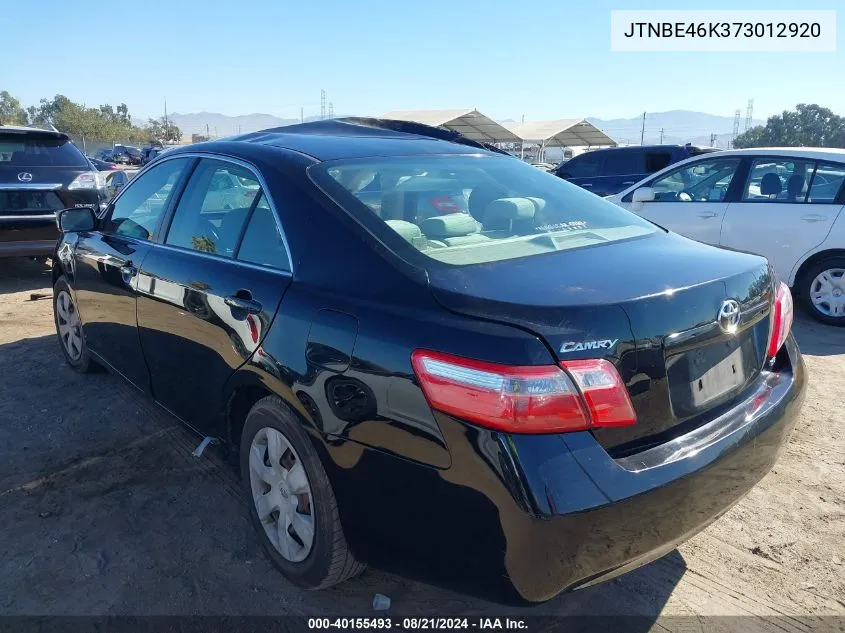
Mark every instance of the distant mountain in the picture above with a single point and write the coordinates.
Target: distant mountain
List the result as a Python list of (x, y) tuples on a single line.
[(679, 126)]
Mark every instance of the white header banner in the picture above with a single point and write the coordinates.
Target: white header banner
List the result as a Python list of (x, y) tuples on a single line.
[(723, 30)]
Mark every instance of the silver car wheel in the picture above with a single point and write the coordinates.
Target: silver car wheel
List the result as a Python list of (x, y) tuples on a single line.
[(827, 292), (281, 494), (68, 325)]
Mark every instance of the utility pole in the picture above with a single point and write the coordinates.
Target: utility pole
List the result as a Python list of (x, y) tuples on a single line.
[(737, 116), (322, 104), (642, 132), (166, 135), (207, 133), (331, 110), (712, 139), (301, 114), (661, 136)]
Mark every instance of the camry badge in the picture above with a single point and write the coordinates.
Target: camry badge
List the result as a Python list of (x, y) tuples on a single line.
[(576, 346), (729, 316), (25, 176)]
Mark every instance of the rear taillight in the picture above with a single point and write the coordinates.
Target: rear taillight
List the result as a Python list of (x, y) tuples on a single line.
[(527, 399), (781, 320), (446, 205), (87, 180)]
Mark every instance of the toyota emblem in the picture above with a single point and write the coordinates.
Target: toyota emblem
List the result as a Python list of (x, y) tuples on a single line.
[(729, 316), (25, 176)]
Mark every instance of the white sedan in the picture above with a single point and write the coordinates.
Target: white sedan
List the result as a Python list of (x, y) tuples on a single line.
[(783, 203)]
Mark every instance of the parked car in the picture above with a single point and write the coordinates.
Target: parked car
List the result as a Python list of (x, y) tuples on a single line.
[(533, 396), (105, 155), (41, 172), (101, 165), (154, 152), (609, 171), (785, 204), (126, 155)]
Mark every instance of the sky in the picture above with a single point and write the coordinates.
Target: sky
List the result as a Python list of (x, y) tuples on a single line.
[(537, 59)]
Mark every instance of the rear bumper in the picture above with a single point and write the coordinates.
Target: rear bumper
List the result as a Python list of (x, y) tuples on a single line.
[(28, 236), (598, 517)]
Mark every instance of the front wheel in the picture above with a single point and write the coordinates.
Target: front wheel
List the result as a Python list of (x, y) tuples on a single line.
[(822, 289), (69, 328), (292, 504)]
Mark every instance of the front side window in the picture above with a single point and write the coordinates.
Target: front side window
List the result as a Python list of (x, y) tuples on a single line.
[(583, 166), (702, 181), (210, 219), (486, 208), (137, 212), (826, 183), (778, 180)]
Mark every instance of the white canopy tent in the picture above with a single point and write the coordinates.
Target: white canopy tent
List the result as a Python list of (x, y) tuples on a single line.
[(470, 123), (561, 133)]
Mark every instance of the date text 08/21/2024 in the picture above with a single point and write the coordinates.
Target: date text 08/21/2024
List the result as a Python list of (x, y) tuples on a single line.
[(417, 623)]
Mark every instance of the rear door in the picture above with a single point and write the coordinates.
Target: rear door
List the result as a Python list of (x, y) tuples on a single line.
[(209, 291), (621, 168), (106, 263), (787, 208), (692, 199), (583, 169)]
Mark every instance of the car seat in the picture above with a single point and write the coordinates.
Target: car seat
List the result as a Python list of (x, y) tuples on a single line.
[(770, 185)]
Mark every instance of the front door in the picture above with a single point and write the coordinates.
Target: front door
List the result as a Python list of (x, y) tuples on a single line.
[(692, 199), (208, 293), (106, 264), (787, 208)]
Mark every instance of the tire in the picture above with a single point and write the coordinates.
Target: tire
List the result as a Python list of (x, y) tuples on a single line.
[(812, 291), (69, 329), (328, 560)]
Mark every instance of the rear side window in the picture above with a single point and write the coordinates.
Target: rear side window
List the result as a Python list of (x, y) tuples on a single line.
[(827, 183), (262, 242), (655, 161), (623, 162), (778, 180), (137, 212), (488, 208), (36, 150), (214, 208)]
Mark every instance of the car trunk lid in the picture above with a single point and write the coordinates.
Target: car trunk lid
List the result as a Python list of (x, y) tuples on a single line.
[(650, 306)]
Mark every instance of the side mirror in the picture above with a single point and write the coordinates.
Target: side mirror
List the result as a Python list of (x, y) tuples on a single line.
[(641, 195), (77, 220)]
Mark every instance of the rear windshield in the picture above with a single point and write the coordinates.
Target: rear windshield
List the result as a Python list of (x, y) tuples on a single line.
[(32, 150), (464, 209)]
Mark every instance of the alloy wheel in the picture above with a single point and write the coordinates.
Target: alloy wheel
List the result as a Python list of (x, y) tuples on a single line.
[(281, 493), (827, 292), (70, 331)]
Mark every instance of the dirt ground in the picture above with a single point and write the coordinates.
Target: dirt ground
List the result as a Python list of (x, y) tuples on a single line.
[(104, 511)]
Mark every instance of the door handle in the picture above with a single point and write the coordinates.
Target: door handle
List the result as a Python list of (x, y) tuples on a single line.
[(242, 300), (707, 214), (813, 217), (587, 184), (629, 182)]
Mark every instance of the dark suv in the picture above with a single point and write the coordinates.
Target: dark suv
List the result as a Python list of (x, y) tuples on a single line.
[(530, 393), (609, 171), (40, 172)]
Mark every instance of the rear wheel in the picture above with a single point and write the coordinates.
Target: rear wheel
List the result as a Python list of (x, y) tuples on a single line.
[(69, 328), (292, 504), (822, 289)]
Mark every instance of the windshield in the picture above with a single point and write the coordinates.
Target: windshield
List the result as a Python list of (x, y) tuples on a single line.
[(472, 209), (32, 150)]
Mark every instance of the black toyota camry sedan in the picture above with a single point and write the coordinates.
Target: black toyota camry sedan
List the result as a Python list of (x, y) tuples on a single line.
[(433, 358)]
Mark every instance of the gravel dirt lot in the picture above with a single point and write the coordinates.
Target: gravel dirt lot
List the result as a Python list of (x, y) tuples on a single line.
[(104, 511)]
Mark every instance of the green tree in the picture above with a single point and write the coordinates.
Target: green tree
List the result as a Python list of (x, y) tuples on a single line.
[(157, 131), (807, 126), (11, 111)]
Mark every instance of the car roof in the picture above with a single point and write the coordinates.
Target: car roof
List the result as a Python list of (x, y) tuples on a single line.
[(818, 153), (648, 147), (349, 138), (24, 129)]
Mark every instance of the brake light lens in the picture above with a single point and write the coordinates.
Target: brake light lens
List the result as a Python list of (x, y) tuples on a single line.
[(446, 205), (782, 315), (87, 180), (532, 399)]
